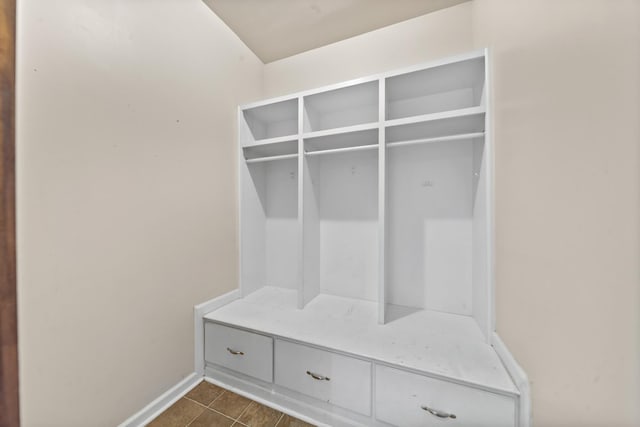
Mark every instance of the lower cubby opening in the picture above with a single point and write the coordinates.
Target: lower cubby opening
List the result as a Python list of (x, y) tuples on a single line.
[(341, 225), (269, 226), (431, 190)]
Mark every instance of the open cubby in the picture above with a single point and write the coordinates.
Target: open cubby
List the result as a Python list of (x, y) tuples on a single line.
[(430, 214), (447, 87), (272, 120), (269, 221), (348, 106), (341, 225)]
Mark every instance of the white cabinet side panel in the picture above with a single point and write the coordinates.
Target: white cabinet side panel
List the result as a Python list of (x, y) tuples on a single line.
[(481, 258), (311, 233)]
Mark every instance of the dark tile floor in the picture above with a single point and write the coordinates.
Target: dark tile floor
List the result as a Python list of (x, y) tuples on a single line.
[(208, 405)]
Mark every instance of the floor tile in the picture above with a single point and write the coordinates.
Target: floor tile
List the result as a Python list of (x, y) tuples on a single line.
[(210, 418), (205, 393), (230, 404), (257, 415), (289, 421), (178, 414)]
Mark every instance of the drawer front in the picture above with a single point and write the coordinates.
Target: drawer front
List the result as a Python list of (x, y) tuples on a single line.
[(245, 352), (339, 380), (401, 396)]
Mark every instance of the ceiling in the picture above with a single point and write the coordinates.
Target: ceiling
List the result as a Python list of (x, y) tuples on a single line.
[(276, 29)]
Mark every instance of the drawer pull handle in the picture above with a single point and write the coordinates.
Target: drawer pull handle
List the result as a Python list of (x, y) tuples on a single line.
[(439, 414), (235, 352), (318, 377)]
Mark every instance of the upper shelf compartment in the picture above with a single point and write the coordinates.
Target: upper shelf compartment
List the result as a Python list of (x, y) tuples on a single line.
[(447, 87), (348, 106), (271, 121)]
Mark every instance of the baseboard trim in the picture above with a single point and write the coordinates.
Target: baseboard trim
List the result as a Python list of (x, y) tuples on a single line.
[(519, 377), (168, 398), (198, 324)]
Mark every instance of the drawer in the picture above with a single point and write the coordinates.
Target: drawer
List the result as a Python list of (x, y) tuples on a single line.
[(336, 379), (245, 352), (400, 397)]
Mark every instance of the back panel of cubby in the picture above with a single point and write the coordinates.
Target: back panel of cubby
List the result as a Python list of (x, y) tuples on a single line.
[(345, 189), (352, 105), (270, 225), (430, 191), (444, 88), (269, 121)]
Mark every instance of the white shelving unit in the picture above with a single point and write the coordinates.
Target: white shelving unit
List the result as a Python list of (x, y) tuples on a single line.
[(366, 214)]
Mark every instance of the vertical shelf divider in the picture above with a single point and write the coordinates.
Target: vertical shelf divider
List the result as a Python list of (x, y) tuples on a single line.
[(490, 197), (301, 175), (382, 202)]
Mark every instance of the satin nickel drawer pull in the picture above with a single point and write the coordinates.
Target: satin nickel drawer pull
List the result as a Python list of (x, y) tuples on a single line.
[(318, 377), (437, 413), (235, 352)]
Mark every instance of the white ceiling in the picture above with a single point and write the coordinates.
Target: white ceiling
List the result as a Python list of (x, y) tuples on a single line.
[(276, 29)]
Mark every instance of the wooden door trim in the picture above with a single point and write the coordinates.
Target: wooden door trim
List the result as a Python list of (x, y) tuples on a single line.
[(9, 396)]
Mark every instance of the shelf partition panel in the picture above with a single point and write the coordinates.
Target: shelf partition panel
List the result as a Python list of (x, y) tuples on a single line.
[(347, 106), (310, 263), (446, 87), (382, 203), (303, 180), (272, 120)]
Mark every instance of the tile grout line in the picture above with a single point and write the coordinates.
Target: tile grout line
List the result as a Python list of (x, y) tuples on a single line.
[(280, 419), (217, 397), (194, 418), (206, 407), (243, 411), (195, 401)]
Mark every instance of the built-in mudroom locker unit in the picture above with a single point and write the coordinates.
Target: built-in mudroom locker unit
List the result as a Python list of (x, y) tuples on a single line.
[(366, 254)]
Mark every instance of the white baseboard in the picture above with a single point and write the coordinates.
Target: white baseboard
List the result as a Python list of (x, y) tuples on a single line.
[(519, 377), (198, 326), (168, 398)]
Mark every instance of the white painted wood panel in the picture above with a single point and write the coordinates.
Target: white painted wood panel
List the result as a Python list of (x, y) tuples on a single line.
[(253, 231), (330, 377), (430, 226), (348, 211), (347, 106), (447, 345), (436, 125), (281, 225), (481, 251), (245, 352), (410, 400), (311, 233), (270, 121), (270, 225), (374, 238), (447, 87)]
